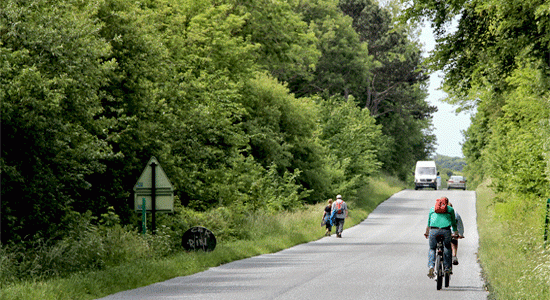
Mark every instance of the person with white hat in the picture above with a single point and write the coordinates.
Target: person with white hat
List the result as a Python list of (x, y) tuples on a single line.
[(339, 214)]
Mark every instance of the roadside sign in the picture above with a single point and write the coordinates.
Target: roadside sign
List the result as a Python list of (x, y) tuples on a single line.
[(163, 203), (144, 181), (163, 191)]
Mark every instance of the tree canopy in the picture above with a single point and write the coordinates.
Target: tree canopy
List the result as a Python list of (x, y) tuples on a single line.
[(261, 105)]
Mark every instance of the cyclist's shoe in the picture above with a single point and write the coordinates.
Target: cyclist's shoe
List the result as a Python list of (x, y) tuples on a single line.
[(431, 274), (455, 260), (448, 270)]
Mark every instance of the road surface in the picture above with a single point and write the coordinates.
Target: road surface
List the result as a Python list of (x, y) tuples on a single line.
[(384, 257)]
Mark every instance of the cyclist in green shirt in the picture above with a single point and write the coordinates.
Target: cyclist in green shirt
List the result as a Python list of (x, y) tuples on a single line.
[(440, 224)]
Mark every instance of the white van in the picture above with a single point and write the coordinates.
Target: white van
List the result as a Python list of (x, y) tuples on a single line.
[(426, 175)]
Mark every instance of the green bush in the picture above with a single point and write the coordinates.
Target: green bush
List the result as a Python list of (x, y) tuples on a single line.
[(86, 247)]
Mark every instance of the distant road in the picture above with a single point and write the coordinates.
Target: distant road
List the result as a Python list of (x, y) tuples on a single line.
[(384, 257)]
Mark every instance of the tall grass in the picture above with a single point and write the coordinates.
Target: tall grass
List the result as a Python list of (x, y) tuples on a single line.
[(512, 253), (265, 233)]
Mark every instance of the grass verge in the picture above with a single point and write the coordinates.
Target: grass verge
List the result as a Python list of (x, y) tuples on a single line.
[(515, 263), (271, 234)]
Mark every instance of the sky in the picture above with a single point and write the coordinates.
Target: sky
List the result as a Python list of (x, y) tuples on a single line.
[(448, 125)]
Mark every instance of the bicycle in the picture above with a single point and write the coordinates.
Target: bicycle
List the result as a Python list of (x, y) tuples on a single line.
[(439, 268)]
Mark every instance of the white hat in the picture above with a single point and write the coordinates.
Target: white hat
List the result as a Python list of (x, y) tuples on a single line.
[(339, 197)]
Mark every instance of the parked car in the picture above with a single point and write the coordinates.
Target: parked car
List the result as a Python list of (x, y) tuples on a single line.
[(456, 182)]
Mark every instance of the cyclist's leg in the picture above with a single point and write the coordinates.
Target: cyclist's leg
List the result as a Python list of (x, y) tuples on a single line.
[(447, 253), (432, 244), (454, 245), (431, 253)]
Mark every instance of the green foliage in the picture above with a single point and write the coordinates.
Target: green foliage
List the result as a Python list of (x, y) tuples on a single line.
[(250, 106), (288, 46), (453, 163), (53, 62), (490, 35), (85, 247), (448, 166), (343, 63), (516, 150), (280, 128), (394, 89), (351, 138)]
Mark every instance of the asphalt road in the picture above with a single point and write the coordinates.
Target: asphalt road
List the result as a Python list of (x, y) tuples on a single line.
[(384, 257)]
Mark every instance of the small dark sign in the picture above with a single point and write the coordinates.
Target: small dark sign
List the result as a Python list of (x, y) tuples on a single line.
[(198, 238)]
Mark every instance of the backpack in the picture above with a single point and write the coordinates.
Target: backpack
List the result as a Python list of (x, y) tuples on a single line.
[(339, 209), (441, 205)]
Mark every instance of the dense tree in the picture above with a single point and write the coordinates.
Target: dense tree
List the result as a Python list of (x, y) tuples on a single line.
[(246, 104), (53, 68), (352, 139), (343, 62), (515, 153), (394, 90), (288, 46), (452, 163), (210, 65), (132, 104), (281, 129)]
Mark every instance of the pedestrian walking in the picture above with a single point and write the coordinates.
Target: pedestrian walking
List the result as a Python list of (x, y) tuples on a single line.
[(326, 221), (339, 215)]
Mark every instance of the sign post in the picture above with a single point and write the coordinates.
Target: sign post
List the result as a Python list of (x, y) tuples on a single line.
[(546, 223), (153, 196), (143, 216), (153, 192)]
